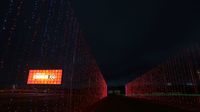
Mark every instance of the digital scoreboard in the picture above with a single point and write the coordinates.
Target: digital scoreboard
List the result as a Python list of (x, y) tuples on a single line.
[(52, 77)]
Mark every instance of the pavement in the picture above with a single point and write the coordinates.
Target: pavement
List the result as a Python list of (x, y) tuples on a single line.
[(127, 104)]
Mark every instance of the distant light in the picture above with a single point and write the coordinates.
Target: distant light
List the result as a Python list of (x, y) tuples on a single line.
[(110, 92), (189, 84), (198, 72), (169, 84)]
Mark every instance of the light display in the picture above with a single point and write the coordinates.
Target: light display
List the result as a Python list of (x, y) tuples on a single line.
[(45, 77), (174, 82), (45, 34)]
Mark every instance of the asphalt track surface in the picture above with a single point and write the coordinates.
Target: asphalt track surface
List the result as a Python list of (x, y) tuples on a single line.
[(127, 104), (23, 102)]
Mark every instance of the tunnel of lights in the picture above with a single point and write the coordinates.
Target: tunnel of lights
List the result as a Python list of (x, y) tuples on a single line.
[(42, 35), (175, 82)]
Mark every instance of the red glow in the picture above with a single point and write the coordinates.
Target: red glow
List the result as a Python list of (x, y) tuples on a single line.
[(173, 82)]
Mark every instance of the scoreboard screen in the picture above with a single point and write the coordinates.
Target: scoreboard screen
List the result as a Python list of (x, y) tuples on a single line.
[(53, 77)]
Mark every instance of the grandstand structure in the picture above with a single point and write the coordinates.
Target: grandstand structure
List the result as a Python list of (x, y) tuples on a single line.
[(175, 82), (46, 35)]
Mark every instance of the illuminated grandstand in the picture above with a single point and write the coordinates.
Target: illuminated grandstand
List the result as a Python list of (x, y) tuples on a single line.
[(175, 82), (47, 60)]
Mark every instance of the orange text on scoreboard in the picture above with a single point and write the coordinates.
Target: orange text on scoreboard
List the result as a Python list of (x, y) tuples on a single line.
[(45, 77)]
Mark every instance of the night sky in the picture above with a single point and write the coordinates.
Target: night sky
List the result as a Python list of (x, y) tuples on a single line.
[(129, 37)]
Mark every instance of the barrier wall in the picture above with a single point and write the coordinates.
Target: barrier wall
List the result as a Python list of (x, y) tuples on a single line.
[(45, 34), (174, 82)]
